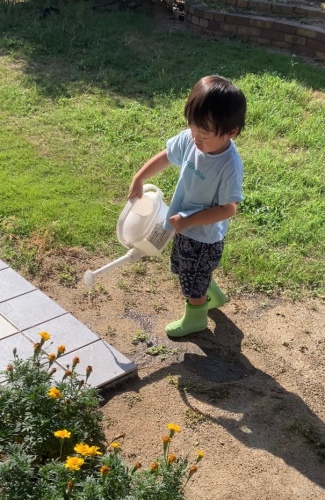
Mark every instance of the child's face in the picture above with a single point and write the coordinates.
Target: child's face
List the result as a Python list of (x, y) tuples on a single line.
[(209, 142)]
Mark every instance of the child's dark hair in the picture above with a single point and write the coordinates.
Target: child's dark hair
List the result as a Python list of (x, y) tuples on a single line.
[(216, 105)]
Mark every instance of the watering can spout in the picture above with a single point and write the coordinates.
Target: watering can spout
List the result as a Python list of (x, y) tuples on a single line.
[(131, 256)]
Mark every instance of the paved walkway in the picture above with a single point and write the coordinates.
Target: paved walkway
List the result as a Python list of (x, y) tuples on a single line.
[(25, 311)]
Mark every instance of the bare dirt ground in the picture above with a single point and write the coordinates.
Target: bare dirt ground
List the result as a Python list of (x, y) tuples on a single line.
[(250, 389)]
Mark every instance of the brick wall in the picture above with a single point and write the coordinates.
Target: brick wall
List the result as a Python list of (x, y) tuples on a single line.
[(270, 31)]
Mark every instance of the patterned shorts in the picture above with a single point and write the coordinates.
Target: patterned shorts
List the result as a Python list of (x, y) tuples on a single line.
[(193, 262)]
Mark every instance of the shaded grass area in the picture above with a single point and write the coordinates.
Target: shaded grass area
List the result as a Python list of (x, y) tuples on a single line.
[(88, 95)]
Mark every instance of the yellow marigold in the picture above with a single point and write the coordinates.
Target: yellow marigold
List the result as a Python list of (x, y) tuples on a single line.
[(44, 335), (104, 470), (61, 349), (94, 450), (62, 434), (200, 454), (52, 357), (166, 439), (154, 466), (86, 450), (174, 427), (115, 445), (73, 463), (171, 458), (54, 393)]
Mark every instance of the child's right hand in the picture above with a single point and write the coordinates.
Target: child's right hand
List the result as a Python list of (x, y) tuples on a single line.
[(136, 189)]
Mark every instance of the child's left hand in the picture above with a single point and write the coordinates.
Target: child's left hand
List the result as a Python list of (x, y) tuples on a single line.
[(178, 222)]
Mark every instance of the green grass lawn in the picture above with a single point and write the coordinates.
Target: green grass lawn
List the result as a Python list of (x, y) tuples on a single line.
[(88, 95)]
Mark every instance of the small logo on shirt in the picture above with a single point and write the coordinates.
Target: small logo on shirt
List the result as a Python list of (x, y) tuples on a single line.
[(196, 171)]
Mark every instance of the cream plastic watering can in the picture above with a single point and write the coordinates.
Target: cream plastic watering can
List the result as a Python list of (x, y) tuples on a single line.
[(139, 228)]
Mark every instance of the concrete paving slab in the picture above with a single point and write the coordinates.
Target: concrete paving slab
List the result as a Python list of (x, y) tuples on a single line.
[(30, 309), (13, 285), (3, 265), (66, 330), (107, 363), (6, 327), (25, 311)]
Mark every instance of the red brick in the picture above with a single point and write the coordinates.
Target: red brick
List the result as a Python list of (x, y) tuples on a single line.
[(239, 20), (272, 35), (203, 23), (228, 27), (261, 22), (217, 16), (320, 56), (195, 20), (246, 31), (242, 3), (296, 40), (287, 27), (262, 41), (308, 32), (317, 45), (208, 14), (320, 34), (213, 25)]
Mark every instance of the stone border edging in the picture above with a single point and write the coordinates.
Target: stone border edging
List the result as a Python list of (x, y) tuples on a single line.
[(290, 35)]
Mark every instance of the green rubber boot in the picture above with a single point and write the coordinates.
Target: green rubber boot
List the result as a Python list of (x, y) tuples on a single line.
[(195, 319), (217, 297)]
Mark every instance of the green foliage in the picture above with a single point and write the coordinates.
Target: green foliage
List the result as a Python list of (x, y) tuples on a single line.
[(52, 444), (81, 118)]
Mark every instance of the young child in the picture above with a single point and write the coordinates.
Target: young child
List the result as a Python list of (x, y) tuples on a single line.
[(207, 193)]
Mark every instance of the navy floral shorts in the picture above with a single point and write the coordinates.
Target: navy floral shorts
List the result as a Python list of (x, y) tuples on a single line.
[(193, 262)]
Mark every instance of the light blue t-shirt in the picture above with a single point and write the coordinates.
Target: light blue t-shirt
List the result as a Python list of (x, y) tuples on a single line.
[(205, 180)]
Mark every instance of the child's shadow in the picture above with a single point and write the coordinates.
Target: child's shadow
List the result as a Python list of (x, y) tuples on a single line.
[(272, 419)]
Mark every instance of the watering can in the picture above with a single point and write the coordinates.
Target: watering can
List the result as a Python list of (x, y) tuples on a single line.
[(140, 228)]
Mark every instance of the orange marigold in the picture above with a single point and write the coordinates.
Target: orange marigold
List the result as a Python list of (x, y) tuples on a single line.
[(104, 470)]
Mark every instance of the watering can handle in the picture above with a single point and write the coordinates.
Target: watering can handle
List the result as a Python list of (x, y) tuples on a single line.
[(127, 208)]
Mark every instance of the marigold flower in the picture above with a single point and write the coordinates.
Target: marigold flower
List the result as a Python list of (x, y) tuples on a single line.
[(200, 455), (52, 357), (138, 465), (62, 434), (67, 373), (10, 368), (171, 458), (192, 470), (115, 445), (166, 439), (173, 428), (44, 336), (89, 369), (61, 349), (75, 361), (87, 451), (37, 346), (54, 393), (73, 463), (154, 466), (104, 470)]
